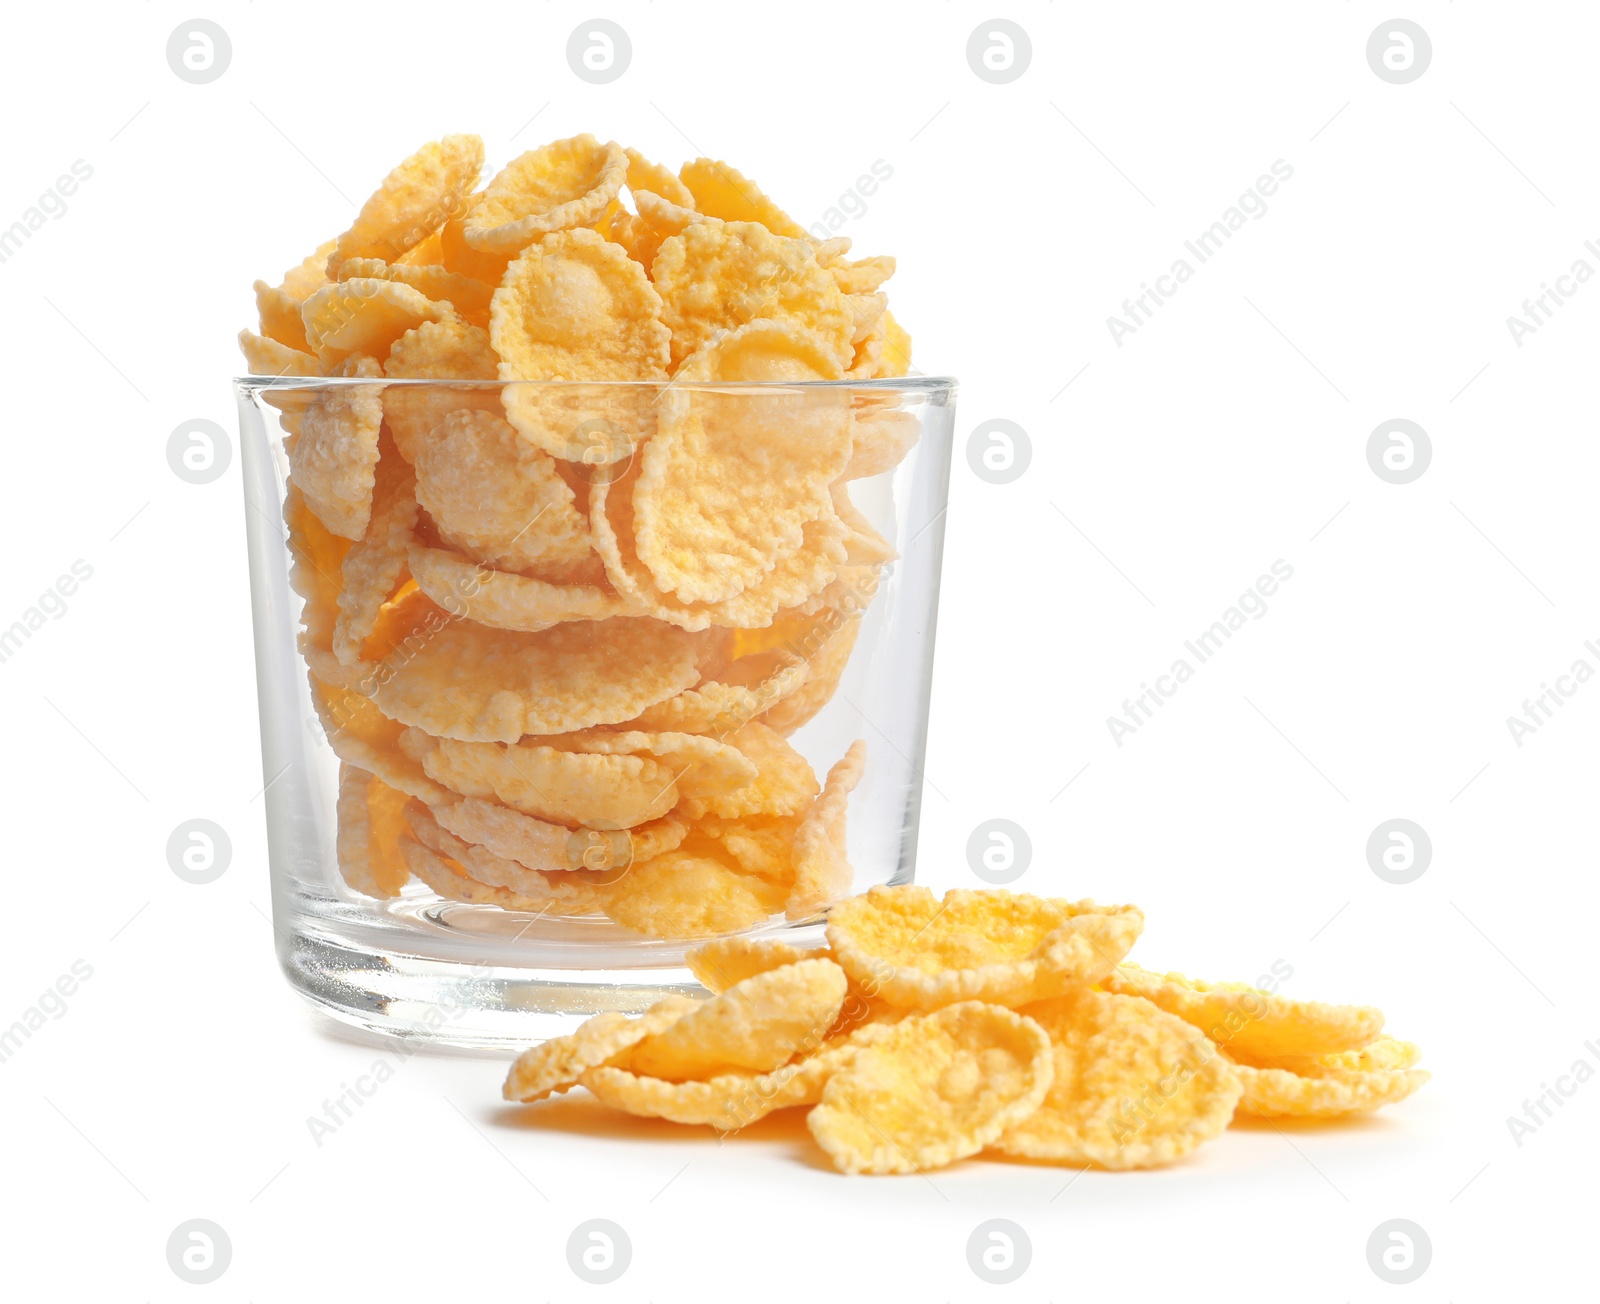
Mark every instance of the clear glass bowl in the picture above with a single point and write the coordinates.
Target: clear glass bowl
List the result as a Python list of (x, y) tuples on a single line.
[(426, 965)]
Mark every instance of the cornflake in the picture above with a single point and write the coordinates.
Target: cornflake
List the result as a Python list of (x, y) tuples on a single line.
[(567, 586)]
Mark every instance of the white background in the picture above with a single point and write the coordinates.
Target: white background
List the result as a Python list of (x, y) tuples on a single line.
[(1227, 433)]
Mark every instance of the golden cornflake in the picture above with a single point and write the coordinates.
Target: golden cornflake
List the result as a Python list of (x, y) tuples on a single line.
[(1384, 1053), (879, 441), (557, 1064), (937, 1088), (469, 297), (720, 964), (658, 180), (690, 893), (822, 870), (496, 497), (413, 202), (733, 1100), (362, 735), (371, 823), (1278, 1093), (754, 1026), (335, 460), (716, 276), (721, 190), (553, 848), (784, 784), (374, 564), (452, 349), (364, 315), (905, 946), (1246, 1021), (571, 788), (463, 872), (1134, 1087), (504, 600), (730, 480), (568, 183), (795, 577), (471, 682)]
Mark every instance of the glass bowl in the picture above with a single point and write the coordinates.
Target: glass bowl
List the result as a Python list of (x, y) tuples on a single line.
[(440, 663)]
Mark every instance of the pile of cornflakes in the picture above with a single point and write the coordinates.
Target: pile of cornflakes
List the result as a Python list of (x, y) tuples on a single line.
[(560, 629), (927, 1031)]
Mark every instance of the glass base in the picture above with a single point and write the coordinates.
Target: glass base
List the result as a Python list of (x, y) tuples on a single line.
[(544, 978)]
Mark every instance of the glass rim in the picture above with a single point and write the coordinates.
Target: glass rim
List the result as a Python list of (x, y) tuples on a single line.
[(946, 385)]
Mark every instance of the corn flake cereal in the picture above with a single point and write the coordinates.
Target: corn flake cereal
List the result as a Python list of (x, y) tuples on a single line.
[(1384, 1053), (1279, 1093), (489, 685), (568, 183), (371, 823), (784, 784), (821, 858), (879, 441), (334, 462), (571, 788), (558, 1063), (1134, 1087), (729, 482), (720, 964), (1246, 1021), (497, 498), (754, 1026), (361, 735), (572, 620), (469, 297), (553, 848), (504, 599), (716, 276), (366, 316), (452, 349), (474, 875), (731, 1101), (905, 946), (690, 892), (413, 201), (937, 1088), (721, 190), (374, 564)]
